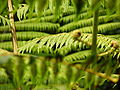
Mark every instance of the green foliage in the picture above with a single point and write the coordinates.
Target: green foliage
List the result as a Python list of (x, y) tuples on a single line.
[(83, 15), (109, 28), (78, 57), (48, 71), (8, 45), (57, 6), (22, 11), (22, 36), (111, 5), (78, 4), (40, 6), (114, 36), (3, 5), (43, 27), (43, 72), (84, 22), (63, 44), (4, 20)]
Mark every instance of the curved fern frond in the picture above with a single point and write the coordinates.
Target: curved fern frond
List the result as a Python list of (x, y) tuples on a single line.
[(58, 43), (85, 22), (22, 36), (43, 27), (109, 28), (64, 44)]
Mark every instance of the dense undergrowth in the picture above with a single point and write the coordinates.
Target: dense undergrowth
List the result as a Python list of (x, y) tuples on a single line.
[(51, 57)]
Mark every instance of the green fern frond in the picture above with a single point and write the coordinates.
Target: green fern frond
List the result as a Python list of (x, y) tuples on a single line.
[(8, 45), (109, 28), (70, 11), (114, 36), (4, 20), (71, 18), (85, 22), (22, 11), (63, 44), (22, 36), (78, 56), (43, 27), (49, 12), (34, 20)]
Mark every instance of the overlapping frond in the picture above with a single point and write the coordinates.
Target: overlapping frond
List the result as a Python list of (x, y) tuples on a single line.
[(85, 22), (71, 18), (78, 56), (63, 44), (108, 28), (43, 27), (22, 36), (114, 36), (8, 45)]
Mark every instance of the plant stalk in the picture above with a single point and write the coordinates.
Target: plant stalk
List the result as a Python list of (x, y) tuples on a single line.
[(94, 34), (12, 27)]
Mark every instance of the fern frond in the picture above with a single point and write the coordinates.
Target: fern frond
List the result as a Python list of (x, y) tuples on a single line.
[(85, 22), (78, 56), (71, 18), (64, 44), (49, 12), (61, 44), (8, 45), (69, 11), (43, 27), (4, 20), (22, 36), (109, 28), (22, 11), (34, 20), (114, 36)]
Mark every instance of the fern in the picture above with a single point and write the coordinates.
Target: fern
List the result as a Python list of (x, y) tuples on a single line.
[(22, 36), (109, 28), (50, 12), (71, 18), (56, 43), (86, 22), (114, 36), (22, 11), (34, 20), (45, 72), (43, 27), (8, 45), (78, 56), (4, 20), (63, 44)]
